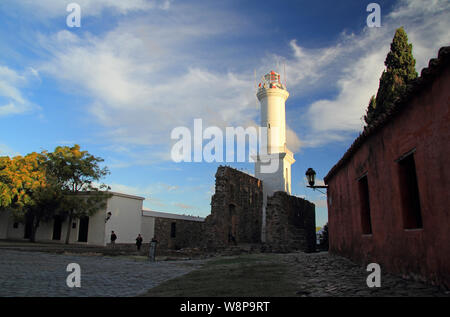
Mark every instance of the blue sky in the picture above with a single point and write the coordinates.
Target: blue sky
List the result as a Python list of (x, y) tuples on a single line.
[(136, 69)]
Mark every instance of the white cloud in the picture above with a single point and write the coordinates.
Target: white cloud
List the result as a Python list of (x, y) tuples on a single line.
[(157, 195), (320, 203), (126, 189), (147, 191), (141, 87), (356, 85), (144, 77), (57, 8), (354, 65), (292, 140), (7, 151), (184, 206), (12, 100)]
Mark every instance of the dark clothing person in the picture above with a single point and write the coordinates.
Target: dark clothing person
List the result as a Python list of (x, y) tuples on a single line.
[(113, 239), (139, 242)]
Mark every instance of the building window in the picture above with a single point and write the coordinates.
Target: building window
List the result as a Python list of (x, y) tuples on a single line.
[(409, 188), (15, 225), (366, 223), (173, 230)]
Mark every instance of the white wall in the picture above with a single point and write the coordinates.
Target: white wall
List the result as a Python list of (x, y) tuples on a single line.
[(96, 232), (125, 219), (45, 231), (147, 228), (73, 231), (14, 233)]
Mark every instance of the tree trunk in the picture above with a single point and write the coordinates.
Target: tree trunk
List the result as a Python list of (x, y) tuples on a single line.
[(69, 227), (34, 226)]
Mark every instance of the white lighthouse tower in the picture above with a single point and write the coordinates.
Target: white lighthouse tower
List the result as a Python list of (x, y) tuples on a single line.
[(272, 95), (273, 163)]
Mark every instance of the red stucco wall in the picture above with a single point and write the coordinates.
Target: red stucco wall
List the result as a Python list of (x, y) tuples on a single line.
[(421, 253)]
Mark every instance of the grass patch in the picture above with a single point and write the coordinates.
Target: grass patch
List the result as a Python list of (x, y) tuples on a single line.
[(247, 275)]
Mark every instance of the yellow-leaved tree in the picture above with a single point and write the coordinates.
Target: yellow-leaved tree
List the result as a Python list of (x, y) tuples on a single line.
[(28, 190), (39, 186)]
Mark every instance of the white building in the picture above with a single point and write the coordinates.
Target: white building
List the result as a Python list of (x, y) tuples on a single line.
[(272, 95), (127, 219)]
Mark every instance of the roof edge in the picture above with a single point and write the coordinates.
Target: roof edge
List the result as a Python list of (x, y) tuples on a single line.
[(166, 215)]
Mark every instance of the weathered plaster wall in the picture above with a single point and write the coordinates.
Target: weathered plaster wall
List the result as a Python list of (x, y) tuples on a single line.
[(424, 252)]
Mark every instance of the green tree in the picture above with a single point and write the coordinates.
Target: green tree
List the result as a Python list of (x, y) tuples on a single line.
[(370, 112), (47, 203), (77, 172), (400, 71)]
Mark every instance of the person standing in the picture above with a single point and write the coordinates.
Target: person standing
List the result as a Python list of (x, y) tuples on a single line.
[(152, 249), (139, 242), (113, 239)]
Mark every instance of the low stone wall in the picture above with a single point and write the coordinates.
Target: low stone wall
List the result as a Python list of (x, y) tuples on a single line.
[(290, 224), (178, 233)]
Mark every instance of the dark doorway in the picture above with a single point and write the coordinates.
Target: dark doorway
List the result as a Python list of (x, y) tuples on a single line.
[(83, 229), (28, 227), (57, 227)]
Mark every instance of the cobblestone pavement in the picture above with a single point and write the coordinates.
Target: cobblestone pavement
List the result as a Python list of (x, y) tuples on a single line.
[(25, 273), (44, 274), (323, 274)]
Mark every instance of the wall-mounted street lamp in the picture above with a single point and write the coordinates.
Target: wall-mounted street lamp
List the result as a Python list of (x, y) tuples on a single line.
[(311, 177), (108, 215)]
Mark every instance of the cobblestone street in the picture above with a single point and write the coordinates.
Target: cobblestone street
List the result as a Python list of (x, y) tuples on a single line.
[(44, 274), (323, 274), (25, 273)]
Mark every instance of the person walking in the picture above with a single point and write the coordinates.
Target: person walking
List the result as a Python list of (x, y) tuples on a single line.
[(113, 239), (139, 242)]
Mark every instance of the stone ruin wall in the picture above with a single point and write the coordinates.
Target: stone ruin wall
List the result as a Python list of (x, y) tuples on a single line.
[(236, 209), (290, 224)]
